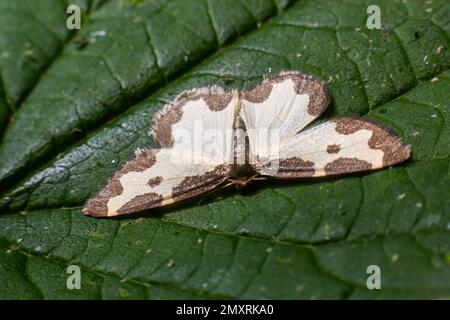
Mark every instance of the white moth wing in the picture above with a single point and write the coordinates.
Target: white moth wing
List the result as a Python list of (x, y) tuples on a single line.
[(278, 108), (199, 125), (196, 135), (341, 145), (154, 179)]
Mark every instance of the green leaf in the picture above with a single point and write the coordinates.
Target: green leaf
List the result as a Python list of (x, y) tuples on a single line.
[(32, 34), (90, 106)]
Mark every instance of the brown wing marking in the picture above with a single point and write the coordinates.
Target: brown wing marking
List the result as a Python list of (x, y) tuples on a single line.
[(304, 84)]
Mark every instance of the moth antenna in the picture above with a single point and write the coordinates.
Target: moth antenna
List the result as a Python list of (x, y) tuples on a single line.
[(214, 190), (228, 184)]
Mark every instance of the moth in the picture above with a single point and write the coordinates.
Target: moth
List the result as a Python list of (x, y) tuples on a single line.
[(210, 137)]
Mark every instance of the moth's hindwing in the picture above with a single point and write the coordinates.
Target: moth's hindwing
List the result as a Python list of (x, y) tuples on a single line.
[(341, 145)]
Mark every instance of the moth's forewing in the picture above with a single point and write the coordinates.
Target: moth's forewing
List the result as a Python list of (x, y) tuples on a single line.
[(280, 107), (196, 135), (151, 180)]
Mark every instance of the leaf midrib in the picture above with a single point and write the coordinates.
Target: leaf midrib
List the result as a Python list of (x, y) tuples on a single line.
[(133, 101)]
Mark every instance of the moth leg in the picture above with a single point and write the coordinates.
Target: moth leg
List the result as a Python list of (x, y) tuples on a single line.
[(213, 190), (242, 182)]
